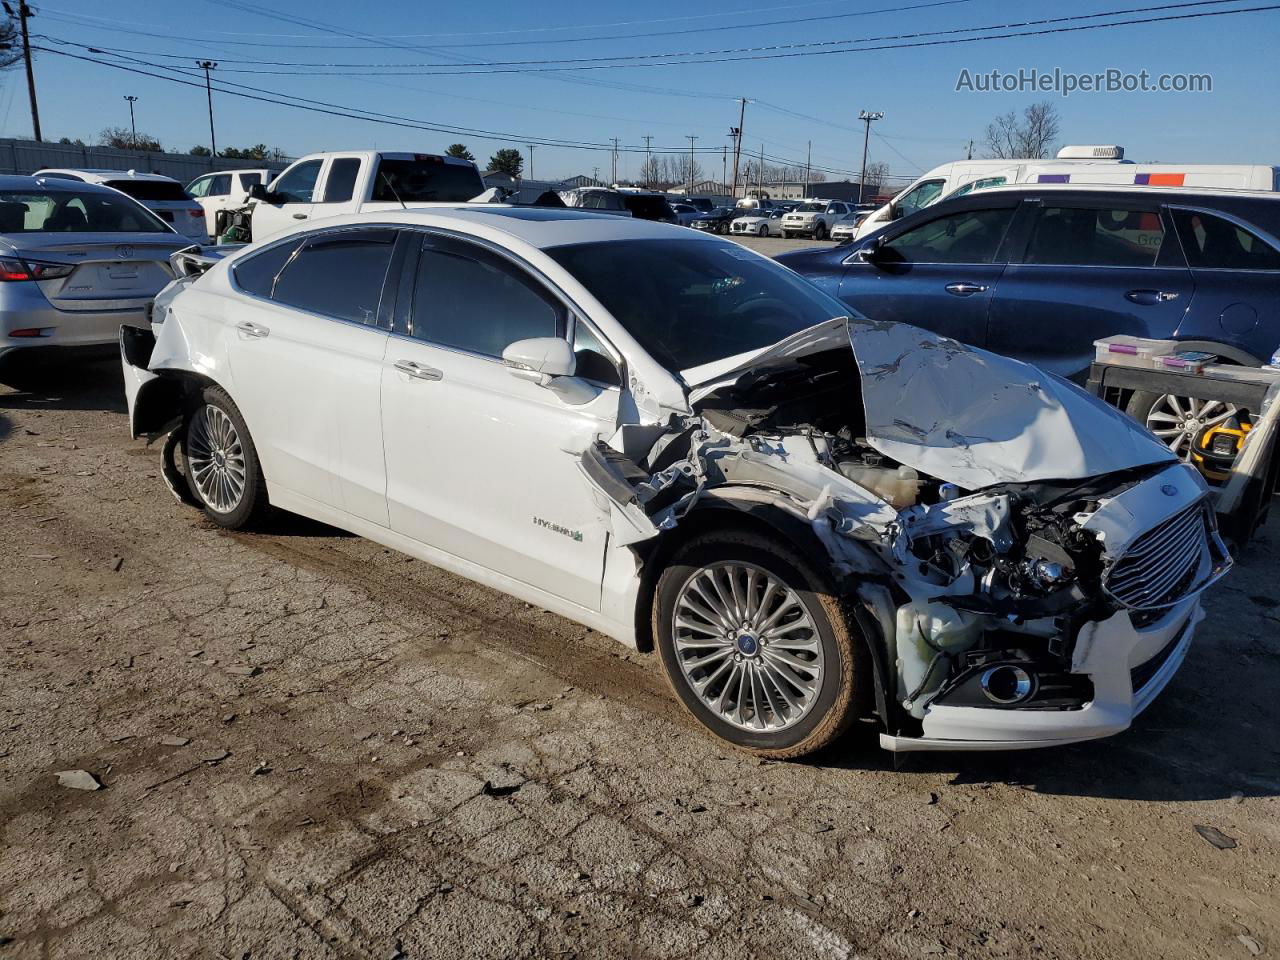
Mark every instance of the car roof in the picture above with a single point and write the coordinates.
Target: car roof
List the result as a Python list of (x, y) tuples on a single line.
[(1135, 189), (99, 176), (46, 185), (538, 227)]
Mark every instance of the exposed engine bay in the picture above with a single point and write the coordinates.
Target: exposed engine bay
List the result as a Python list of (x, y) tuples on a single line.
[(972, 597)]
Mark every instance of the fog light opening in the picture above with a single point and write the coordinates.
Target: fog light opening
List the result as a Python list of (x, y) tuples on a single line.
[(1007, 684)]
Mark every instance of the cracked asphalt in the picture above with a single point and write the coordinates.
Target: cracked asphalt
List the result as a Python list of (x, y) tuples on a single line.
[(312, 747)]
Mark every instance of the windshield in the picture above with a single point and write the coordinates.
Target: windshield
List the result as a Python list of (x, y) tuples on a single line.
[(425, 179), (812, 207), (74, 211), (150, 189), (690, 302)]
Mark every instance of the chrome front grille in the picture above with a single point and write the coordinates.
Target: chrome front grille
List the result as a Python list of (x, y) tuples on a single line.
[(1163, 564)]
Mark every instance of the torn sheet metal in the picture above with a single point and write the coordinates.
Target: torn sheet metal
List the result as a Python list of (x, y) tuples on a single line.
[(965, 415)]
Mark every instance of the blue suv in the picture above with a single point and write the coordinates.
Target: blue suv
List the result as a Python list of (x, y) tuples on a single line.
[(1039, 272)]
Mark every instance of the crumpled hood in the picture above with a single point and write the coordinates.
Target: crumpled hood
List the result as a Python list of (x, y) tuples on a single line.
[(964, 415)]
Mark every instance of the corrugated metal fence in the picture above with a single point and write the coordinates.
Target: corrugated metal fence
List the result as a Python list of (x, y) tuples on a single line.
[(27, 156)]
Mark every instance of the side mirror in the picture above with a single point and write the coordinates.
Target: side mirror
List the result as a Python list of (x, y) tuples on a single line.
[(540, 358), (259, 192), (894, 212), (871, 251)]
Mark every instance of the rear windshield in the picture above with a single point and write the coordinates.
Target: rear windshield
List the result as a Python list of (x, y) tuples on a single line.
[(690, 302), (73, 211), (149, 189), (425, 180), (646, 207)]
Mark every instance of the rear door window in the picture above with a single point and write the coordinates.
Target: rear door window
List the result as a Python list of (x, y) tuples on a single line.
[(257, 274), (1215, 243), (339, 274), (340, 185), (470, 299), (298, 184), (970, 236), (1095, 237)]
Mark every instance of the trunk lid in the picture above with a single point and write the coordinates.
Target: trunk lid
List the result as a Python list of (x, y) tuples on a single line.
[(112, 272)]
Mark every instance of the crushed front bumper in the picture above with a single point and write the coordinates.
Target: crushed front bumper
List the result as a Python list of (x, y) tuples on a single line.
[(1128, 666)]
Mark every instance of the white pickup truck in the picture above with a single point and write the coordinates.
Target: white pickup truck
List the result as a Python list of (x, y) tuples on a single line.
[(357, 181)]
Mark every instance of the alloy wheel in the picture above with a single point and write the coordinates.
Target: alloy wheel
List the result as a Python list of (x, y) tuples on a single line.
[(1178, 421), (216, 455), (748, 646)]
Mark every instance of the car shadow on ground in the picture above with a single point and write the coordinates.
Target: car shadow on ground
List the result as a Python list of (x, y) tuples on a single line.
[(1196, 742), (84, 385)]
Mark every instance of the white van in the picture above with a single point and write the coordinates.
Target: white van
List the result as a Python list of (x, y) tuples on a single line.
[(946, 179), (1082, 166)]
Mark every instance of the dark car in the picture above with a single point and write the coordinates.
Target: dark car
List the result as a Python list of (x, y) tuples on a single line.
[(717, 221), (1040, 272), (649, 206)]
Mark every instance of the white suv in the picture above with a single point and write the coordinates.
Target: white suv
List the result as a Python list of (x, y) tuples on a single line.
[(163, 196), (815, 218), (225, 190)]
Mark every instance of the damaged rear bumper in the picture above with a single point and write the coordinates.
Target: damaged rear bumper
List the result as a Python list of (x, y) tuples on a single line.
[(1128, 667)]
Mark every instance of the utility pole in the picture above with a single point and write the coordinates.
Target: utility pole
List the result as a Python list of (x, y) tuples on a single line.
[(760, 178), (866, 117), (724, 165), (614, 155), (691, 161), (206, 66), (736, 133), (22, 14), (648, 169), (530, 146), (808, 165), (133, 126), (970, 156)]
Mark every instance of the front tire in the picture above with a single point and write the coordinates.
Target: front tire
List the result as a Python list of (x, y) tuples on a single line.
[(762, 232), (755, 645), (820, 232), (221, 462)]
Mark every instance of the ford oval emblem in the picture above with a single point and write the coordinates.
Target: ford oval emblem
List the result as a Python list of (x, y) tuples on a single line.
[(124, 251), (1169, 490)]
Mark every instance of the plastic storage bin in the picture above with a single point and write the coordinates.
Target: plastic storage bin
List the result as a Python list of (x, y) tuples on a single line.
[(1128, 351)]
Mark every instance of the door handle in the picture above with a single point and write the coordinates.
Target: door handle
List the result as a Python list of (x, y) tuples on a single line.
[(1149, 297), (299, 216), (253, 329), (962, 289), (418, 370)]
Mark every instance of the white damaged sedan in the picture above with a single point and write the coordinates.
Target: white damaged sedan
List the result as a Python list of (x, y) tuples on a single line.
[(811, 517)]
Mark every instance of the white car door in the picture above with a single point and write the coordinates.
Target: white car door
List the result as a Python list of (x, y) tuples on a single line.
[(306, 358), (480, 464), (293, 196)]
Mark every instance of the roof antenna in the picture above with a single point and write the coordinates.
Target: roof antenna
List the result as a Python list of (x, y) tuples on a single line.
[(392, 187)]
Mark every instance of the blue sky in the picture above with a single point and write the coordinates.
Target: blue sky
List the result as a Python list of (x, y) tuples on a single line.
[(926, 121)]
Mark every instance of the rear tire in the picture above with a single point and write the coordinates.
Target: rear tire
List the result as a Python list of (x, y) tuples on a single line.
[(756, 646), (221, 462)]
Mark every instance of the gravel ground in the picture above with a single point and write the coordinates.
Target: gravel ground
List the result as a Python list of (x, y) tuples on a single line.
[(313, 747)]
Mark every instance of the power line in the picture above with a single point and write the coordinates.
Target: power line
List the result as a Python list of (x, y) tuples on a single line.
[(764, 52)]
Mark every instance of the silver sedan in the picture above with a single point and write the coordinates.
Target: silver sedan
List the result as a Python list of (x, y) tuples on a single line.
[(76, 262)]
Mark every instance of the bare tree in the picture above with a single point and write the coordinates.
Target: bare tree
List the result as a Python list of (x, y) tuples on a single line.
[(651, 171), (877, 174), (686, 169), (10, 42), (1031, 137)]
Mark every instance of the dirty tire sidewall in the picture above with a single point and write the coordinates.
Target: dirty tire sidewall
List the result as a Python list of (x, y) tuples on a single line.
[(836, 706), (254, 501)]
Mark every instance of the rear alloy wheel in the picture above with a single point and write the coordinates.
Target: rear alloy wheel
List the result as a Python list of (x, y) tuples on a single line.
[(1177, 421), (755, 645), (221, 463)]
